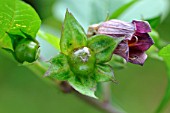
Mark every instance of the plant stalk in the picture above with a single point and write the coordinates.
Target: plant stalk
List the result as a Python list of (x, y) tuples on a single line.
[(105, 106)]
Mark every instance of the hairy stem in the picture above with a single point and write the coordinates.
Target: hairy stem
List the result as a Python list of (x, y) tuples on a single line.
[(105, 106)]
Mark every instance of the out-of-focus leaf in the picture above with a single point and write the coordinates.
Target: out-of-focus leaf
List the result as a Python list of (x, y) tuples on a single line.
[(87, 11), (51, 39), (165, 54), (72, 36), (59, 68), (145, 9), (155, 36), (86, 86), (117, 62), (122, 9), (158, 42), (16, 16), (153, 53), (154, 22), (103, 46), (104, 73)]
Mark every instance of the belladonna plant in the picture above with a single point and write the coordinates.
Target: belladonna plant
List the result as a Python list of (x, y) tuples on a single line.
[(82, 61), (136, 41)]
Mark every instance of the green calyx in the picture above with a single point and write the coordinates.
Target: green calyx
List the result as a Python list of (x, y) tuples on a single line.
[(83, 61)]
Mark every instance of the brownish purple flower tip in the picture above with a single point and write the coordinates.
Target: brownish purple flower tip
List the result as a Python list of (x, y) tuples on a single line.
[(136, 41)]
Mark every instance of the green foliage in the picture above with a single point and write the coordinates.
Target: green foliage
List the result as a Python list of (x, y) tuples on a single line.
[(117, 62), (122, 9), (56, 69), (158, 44), (18, 19), (86, 86), (104, 73), (16, 16), (165, 54), (154, 22), (155, 36), (72, 36), (103, 46), (51, 39), (82, 61), (153, 53)]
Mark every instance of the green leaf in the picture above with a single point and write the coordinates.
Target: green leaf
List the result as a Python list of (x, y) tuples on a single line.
[(104, 73), (165, 54), (85, 86), (159, 43), (73, 35), (154, 22), (59, 68), (16, 16), (153, 53), (122, 9), (155, 36), (99, 90), (103, 46), (88, 11), (117, 62), (143, 10), (51, 39)]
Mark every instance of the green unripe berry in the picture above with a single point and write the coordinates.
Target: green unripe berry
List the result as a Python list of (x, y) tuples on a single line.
[(26, 50), (82, 61)]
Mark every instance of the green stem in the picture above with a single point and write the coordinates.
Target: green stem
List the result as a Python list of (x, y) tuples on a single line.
[(37, 68), (40, 70), (106, 92)]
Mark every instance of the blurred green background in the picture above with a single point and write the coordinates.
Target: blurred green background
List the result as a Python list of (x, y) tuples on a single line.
[(140, 89)]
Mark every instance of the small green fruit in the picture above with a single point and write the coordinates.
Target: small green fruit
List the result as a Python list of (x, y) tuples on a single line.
[(26, 50), (82, 61)]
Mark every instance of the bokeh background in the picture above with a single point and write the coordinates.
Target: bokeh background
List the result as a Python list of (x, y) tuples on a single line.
[(140, 89)]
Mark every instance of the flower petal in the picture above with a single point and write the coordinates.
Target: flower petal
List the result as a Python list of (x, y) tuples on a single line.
[(142, 26), (117, 28), (122, 50), (137, 57), (144, 42)]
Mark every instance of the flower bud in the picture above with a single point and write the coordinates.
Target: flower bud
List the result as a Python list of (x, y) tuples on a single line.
[(136, 40), (26, 50)]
